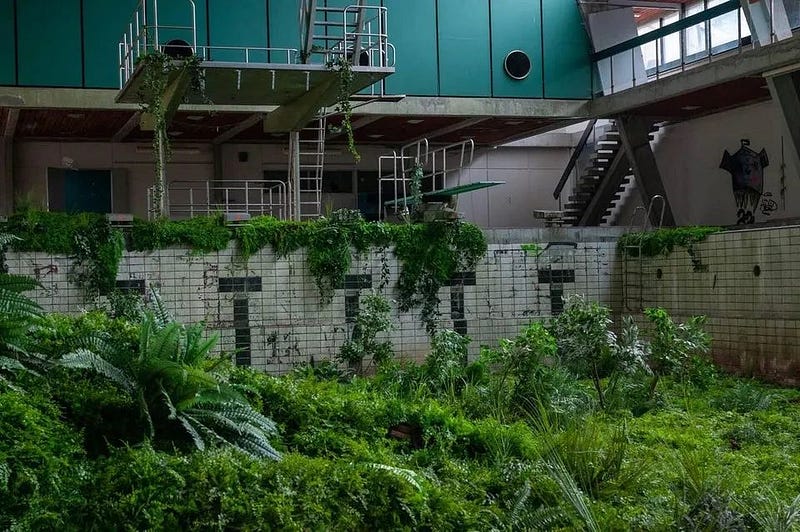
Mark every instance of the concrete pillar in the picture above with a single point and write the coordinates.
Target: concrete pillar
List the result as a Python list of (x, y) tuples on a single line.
[(6, 177), (785, 91), (625, 70), (634, 131), (763, 26)]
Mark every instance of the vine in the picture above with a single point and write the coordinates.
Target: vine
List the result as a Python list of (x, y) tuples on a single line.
[(344, 70), (157, 68), (664, 241)]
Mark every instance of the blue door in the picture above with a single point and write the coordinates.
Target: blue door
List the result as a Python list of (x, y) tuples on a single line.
[(87, 191)]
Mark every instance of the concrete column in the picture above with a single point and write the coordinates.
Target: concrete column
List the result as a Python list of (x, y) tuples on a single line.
[(611, 27), (634, 131), (785, 91), (762, 25), (6, 177)]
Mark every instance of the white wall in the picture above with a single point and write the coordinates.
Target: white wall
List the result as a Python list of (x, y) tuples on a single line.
[(530, 170), (689, 155)]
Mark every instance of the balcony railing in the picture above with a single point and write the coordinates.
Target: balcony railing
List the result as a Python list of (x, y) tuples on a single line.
[(243, 197)]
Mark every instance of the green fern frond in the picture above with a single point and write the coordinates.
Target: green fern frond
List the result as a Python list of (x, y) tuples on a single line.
[(161, 315), (570, 490), (85, 359), (6, 239), (17, 283), (407, 475)]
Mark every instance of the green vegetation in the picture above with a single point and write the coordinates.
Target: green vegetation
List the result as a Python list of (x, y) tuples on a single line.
[(664, 241), (138, 425), (430, 253)]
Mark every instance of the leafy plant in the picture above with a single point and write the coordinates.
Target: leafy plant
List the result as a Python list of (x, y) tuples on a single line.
[(445, 363), (202, 233), (182, 393), (18, 317), (373, 318), (585, 343), (673, 345)]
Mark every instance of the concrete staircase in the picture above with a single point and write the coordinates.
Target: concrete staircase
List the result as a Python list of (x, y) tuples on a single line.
[(600, 187)]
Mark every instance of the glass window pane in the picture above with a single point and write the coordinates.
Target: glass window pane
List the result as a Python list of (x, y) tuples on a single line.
[(671, 44), (695, 37)]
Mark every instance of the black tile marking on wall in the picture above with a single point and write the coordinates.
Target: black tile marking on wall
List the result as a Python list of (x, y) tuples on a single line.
[(457, 312), (357, 282), (132, 286), (556, 280), (240, 286), (353, 284), (462, 279)]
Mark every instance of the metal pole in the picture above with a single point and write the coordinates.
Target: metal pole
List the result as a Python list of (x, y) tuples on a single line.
[(294, 168), (155, 26)]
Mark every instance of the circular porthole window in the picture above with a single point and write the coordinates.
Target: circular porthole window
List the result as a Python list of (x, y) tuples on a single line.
[(178, 49), (517, 64)]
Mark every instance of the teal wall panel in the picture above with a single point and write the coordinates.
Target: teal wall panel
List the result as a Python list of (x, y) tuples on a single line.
[(284, 27), (239, 24), (412, 30), (8, 47), (516, 25), (464, 55), (49, 43), (103, 25), (178, 13), (567, 68)]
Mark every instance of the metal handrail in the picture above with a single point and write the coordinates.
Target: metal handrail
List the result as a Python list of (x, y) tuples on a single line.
[(576, 153), (254, 197)]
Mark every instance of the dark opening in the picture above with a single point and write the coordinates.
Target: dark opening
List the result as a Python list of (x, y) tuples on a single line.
[(756, 270), (178, 49), (659, 273), (363, 59), (517, 64)]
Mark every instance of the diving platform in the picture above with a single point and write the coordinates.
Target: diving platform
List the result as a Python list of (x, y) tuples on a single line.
[(444, 195)]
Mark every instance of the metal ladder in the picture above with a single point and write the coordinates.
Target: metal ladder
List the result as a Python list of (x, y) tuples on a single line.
[(307, 154), (632, 258)]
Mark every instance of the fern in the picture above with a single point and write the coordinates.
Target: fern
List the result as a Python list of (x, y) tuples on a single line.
[(407, 475), (569, 489), (85, 359)]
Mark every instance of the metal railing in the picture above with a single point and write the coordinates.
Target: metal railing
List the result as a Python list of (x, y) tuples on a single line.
[(253, 197), (438, 165), (356, 33), (620, 67)]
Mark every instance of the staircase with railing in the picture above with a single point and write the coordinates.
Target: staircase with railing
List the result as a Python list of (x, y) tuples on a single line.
[(307, 154)]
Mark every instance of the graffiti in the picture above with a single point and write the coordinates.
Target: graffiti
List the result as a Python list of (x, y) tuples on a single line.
[(746, 167), (768, 205)]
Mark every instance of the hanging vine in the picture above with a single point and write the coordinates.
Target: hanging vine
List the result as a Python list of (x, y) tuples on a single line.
[(344, 68), (157, 68)]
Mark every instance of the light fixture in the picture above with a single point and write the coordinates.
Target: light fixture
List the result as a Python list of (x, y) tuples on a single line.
[(375, 136), (75, 116), (414, 121), (195, 118), (175, 133), (514, 122), (69, 163), (690, 108)]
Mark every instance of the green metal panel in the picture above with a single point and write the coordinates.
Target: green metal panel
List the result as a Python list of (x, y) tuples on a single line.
[(284, 27), (516, 25), (49, 43), (567, 66), (412, 30), (464, 57), (87, 191), (239, 24), (8, 49), (103, 25)]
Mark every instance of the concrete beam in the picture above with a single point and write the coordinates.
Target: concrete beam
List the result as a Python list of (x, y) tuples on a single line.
[(541, 130), (126, 129), (450, 129), (785, 91), (747, 63), (478, 107), (766, 26), (170, 100), (358, 124), (295, 115), (634, 131), (247, 123)]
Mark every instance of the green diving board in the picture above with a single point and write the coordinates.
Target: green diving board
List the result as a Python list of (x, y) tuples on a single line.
[(446, 192)]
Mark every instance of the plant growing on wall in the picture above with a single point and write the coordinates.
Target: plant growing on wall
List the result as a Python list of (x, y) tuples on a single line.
[(664, 241), (158, 69), (374, 317), (344, 70)]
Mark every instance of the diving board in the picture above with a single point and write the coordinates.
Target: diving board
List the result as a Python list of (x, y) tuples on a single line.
[(445, 193)]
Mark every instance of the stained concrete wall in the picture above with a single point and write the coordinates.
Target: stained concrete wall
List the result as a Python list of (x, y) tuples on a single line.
[(748, 285)]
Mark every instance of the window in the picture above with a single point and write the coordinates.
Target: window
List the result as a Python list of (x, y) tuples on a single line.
[(79, 190)]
